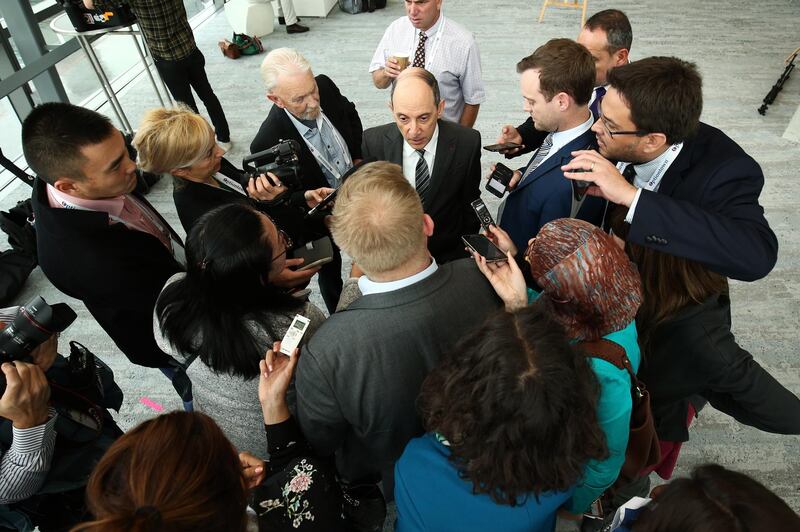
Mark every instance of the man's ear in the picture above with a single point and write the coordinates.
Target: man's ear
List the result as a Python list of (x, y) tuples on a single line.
[(65, 185), (621, 57), (564, 101), (427, 225), (440, 109), (654, 142), (277, 101)]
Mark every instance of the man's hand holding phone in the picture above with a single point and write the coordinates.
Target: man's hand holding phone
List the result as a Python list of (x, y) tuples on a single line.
[(502, 179), (314, 197), (510, 134)]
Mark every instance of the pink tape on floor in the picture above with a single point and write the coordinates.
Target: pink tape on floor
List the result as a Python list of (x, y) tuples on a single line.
[(146, 401)]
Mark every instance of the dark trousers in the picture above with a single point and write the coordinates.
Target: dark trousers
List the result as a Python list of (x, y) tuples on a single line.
[(189, 73), (330, 280)]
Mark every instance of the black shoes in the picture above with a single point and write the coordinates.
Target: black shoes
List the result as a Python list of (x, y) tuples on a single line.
[(296, 28)]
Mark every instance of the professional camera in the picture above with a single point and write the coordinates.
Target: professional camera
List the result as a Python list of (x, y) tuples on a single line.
[(33, 324), (282, 160)]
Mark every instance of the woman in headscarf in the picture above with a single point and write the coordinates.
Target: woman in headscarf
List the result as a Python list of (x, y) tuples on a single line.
[(593, 290)]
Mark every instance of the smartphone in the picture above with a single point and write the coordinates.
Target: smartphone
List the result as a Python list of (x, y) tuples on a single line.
[(498, 181), (484, 247), (314, 253), (502, 146), (483, 214), (322, 204), (294, 334)]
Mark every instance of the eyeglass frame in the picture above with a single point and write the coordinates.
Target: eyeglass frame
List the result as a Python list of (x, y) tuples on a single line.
[(639, 132), (283, 237)]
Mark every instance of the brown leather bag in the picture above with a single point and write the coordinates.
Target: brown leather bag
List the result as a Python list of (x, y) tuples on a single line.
[(229, 49), (643, 451)]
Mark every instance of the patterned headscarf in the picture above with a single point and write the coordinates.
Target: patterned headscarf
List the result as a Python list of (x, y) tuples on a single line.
[(588, 282)]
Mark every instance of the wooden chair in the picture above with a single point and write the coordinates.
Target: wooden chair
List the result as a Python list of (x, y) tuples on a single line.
[(573, 4)]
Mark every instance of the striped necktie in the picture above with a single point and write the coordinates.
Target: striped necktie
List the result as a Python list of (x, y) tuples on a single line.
[(422, 176), (419, 56), (544, 149)]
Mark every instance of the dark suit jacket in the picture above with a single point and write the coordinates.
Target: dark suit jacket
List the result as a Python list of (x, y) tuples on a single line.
[(695, 353), (117, 272), (342, 114), (193, 200), (707, 209), (546, 195), (359, 375), (455, 182)]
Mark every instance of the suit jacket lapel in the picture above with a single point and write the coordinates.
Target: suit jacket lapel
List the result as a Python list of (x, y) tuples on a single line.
[(445, 150), (393, 146), (175, 236), (557, 159), (674, 174)]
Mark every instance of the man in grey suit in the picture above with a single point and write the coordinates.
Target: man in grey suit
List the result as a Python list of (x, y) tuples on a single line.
[(441, 159), (359, 375)]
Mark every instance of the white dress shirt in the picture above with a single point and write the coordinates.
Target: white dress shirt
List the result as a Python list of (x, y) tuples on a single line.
[(368, 287), (24, 467), (562, 138), (452, 57), (645, 172), (411, 157)]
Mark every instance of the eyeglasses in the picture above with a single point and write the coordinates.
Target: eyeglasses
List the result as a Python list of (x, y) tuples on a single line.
[(283, 238), (638, 132)]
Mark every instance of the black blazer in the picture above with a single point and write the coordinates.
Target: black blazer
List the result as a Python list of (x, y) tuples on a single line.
[(707, 209), (455, 182), (342, 114), (193, 200), (117, 272), (695, 353)]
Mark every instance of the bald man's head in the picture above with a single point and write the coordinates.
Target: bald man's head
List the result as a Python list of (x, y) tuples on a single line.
[(416, 105)]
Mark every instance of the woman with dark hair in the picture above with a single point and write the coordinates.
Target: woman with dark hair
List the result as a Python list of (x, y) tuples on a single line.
[(175, 472), (691, 355), (713, 499), (590, 287), (223, 313), (511, 420)]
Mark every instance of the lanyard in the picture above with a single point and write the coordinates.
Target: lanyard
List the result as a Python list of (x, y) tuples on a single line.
[(230, 183), (655, 180), (437, 40), (321, 159)]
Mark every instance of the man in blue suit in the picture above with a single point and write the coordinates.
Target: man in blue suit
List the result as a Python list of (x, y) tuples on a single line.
[(681, 187), (556, 83)]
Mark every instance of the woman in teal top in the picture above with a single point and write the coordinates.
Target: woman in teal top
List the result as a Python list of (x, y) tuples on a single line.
[(593, 290)]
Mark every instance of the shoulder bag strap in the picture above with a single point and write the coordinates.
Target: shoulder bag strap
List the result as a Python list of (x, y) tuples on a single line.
[(613, 353)]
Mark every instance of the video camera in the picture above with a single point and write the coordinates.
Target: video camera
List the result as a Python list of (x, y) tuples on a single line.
[(282, 160)]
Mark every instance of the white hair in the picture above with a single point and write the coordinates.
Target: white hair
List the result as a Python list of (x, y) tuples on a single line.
[(282, 61)]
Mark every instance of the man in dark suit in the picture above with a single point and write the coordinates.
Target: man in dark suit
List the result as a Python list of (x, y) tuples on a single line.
[(313, 112), (684, 187), (359, 375), (98, 241), (608, 36), (556, 83), (439, 158)]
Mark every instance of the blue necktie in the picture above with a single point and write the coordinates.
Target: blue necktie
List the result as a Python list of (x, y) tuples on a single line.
[(599, 92)]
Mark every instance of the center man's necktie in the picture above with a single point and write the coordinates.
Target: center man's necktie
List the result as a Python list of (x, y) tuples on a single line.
[(544, 149), (422, 176), (419, 56), (599, 92)]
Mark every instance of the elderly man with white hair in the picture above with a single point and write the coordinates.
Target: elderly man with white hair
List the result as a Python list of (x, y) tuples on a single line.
[(312, 111)]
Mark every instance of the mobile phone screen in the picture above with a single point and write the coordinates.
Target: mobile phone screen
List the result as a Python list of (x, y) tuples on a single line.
[(484, 247)]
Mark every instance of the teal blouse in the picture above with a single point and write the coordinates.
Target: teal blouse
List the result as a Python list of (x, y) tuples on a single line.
[(613, 415)]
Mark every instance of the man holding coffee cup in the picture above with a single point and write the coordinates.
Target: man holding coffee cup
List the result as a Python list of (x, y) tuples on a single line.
[(426, 39)]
